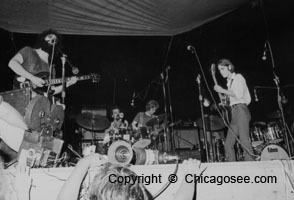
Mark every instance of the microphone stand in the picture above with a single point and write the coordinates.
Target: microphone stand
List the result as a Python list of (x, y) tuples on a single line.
[(165, 113), (277, 82), (63, 60), (171, 112), (203, 117)]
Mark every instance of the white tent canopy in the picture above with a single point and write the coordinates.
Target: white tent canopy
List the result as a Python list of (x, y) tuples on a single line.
[(112, 17)]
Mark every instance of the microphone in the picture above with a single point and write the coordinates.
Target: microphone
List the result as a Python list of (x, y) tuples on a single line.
[(190, 48), (74, 70), (52, 41), (264, 52), (206, 102), (255, 95)]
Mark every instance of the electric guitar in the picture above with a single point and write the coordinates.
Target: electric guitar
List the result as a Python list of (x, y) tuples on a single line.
[(21, 82), (224, 99)]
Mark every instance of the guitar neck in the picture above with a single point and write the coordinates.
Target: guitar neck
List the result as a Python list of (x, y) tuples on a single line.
[(222, 97), (59, 80)]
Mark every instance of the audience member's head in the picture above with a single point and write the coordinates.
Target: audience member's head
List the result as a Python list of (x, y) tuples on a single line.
[(104, 189)]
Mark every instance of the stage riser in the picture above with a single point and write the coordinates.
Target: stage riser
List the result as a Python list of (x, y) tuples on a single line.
[(47, 185)]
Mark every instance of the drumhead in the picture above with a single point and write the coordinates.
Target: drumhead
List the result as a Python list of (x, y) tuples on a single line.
[(142, 143), (273, 152)]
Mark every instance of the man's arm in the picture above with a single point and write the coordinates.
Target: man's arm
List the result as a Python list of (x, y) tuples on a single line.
[(135, 122), (16, 65), (219, 89), (70, 189), (186, 190)]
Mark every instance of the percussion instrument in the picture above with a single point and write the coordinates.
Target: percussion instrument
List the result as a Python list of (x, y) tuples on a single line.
[(141, 138), (213, 123), (91, 121), (257, 134), (273, 133), (273, 152)]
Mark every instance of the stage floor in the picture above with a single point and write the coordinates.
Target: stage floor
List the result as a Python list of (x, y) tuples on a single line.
[(265, 180)]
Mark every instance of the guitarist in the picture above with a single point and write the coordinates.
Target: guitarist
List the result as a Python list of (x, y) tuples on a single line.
[(239, 98), (30, 61)]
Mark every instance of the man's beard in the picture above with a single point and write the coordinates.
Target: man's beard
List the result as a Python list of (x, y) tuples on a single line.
[(46, 47)]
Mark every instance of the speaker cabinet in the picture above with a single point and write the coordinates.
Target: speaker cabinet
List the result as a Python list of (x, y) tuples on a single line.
[(186, 138)]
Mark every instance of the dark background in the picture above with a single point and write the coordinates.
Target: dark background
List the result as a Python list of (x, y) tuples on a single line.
[(129, 64)]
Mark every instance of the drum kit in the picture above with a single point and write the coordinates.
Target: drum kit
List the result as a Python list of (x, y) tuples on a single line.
[(267, 138), (98, 131)]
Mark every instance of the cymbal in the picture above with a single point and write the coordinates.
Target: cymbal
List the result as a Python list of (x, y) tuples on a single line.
[(274, 115), (259, 123), (213, 123), (92, 121), (156, 120)]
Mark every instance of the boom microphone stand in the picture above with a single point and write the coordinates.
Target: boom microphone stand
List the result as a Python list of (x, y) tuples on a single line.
[(203, 117), (277, 82)]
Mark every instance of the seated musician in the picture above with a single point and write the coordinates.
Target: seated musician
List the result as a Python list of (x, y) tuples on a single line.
[(116, 125), (30, 62), (140, 120)]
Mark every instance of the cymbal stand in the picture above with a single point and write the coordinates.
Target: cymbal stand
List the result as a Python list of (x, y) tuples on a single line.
[(277, 82), (203, 117)]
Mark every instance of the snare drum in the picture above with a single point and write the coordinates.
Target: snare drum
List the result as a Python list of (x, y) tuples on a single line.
[(141, 138), (273, 152), (273, 133)]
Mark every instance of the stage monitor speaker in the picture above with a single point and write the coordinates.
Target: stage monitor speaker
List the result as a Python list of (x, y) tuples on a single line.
[(186, 138), (19, 99)]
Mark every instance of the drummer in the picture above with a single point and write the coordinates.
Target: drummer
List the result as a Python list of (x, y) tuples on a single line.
[(117, 124)]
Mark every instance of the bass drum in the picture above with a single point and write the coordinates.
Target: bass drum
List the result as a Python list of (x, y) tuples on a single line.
[(273, 152)]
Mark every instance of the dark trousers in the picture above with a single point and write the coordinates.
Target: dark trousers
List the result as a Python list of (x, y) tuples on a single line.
[(240, 127)]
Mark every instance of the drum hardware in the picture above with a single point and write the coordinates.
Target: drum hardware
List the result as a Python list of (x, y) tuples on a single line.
[(213, 124)]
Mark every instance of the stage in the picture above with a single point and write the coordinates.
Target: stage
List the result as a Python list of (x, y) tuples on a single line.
[(277, 177)]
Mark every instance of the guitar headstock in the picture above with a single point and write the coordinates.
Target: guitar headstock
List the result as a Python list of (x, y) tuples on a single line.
[(213, 69), (95, 77)]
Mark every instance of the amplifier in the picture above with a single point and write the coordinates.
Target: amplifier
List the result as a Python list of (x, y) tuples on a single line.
[(186, 153), (186, 138)]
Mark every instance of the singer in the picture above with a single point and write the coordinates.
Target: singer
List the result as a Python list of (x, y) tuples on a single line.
[(239, 97), (31, 61)]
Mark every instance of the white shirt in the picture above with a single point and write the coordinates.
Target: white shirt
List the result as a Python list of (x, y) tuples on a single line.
[(237, 84)]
